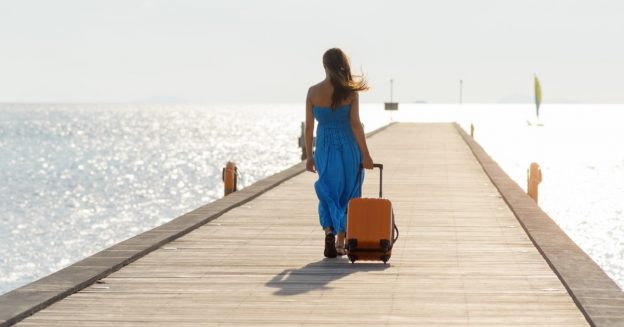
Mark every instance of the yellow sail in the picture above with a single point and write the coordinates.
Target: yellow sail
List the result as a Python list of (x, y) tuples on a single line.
[(538, 95)]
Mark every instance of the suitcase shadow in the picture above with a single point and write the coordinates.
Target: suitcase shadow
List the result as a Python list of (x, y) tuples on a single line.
[(316, 275)]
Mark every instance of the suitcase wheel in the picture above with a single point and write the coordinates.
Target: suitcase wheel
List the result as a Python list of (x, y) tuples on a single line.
[(352, 258), (384, 245), (352, 244), (384, 258)]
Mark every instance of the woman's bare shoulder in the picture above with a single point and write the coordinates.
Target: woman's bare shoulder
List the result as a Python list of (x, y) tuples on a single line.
[(317, 90), (318, 86)]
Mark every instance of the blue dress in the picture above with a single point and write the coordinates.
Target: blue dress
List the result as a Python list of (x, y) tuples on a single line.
[(337, 158)]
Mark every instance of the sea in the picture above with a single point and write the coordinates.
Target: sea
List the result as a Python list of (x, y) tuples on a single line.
[(78, 178)]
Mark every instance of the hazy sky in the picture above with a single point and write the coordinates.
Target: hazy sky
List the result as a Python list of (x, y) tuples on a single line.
[(270, 51)]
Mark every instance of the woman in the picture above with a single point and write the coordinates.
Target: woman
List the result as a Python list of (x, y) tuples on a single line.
[(341, 148)]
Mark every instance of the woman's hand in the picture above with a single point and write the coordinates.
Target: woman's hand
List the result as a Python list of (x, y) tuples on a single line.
[(367, 162), (310, 166)]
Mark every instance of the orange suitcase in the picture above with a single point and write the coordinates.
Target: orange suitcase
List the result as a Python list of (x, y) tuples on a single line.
[(371, 231)]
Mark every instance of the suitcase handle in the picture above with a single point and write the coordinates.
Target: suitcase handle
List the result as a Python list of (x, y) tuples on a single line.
[(395, 229), (380, 166)]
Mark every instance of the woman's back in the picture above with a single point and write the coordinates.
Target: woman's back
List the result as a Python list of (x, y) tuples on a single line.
[(321, 95)]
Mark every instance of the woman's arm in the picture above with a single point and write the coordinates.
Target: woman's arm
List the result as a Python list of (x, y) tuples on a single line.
[(358, 132), (309, 134)]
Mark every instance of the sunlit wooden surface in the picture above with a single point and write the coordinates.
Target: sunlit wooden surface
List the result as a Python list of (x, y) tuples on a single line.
[(461, 259)]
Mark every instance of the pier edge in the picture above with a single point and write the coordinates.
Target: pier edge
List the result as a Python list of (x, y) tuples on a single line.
[(596, 295), (26, 300)]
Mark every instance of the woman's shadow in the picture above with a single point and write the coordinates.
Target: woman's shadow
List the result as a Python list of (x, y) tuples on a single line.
[(316, 275)]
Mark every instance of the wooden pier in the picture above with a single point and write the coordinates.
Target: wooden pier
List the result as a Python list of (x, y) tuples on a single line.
[(255, 257)]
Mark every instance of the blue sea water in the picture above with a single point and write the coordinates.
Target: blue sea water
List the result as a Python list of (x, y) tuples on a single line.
[(75, 179)]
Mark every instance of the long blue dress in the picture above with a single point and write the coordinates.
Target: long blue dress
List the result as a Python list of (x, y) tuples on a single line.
[(337, 158)]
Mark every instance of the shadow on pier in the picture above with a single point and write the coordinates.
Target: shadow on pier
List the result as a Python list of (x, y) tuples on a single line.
[(317, 275)]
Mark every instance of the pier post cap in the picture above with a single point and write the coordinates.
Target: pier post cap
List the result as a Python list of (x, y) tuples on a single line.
[(229, 177), (535, 172)]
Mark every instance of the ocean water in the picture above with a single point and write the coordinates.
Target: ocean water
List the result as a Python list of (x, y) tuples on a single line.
[(579, 150), (75, 179)]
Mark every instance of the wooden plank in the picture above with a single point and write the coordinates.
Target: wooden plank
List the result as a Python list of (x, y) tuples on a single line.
[(596, 294), (462, 258)]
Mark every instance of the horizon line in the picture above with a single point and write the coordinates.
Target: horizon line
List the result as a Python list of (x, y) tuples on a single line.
[(416, 102)]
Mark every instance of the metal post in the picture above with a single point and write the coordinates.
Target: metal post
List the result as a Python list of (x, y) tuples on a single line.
[(461, 92), (391, 105)]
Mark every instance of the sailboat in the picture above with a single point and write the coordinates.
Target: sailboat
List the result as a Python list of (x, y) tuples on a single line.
[(538, 102)]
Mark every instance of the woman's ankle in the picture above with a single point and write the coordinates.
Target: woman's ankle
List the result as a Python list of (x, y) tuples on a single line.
[(341, 238)]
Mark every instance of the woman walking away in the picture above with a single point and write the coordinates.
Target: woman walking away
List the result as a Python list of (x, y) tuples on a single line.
[(341, 148)]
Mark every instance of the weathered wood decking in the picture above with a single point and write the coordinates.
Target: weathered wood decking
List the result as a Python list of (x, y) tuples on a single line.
[(462, 258)]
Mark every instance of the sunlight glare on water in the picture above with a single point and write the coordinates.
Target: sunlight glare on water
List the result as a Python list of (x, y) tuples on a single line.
[(75, 179), (581, 157)]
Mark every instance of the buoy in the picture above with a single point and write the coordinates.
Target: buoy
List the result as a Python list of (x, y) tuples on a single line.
[(472, 130), (229, 178), (534, 177)]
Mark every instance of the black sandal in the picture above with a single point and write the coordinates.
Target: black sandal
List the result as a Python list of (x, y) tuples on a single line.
[(330, 247)]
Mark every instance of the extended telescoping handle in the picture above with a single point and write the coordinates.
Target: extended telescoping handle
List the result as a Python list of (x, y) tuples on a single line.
[(380, 166)]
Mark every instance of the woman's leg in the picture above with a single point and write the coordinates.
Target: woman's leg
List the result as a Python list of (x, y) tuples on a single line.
[(330, 246), (341, 238), (340, 243)]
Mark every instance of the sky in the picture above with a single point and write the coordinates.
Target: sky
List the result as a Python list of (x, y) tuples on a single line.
[(245, 51)]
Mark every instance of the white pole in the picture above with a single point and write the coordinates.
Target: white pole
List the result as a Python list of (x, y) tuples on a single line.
[(461, 91)]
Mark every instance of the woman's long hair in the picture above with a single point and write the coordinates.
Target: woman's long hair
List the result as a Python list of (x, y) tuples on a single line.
[(337, 65)]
